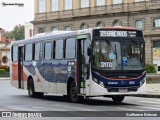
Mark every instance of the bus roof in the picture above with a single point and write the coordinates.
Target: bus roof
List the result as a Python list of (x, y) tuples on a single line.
[(120, 27), (61, 34)]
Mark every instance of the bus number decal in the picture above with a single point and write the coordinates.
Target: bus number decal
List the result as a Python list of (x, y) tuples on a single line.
[(106, 64)]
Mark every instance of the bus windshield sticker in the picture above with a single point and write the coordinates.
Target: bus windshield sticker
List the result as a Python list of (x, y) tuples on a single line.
[(111, 56), (125, 61), (106, 64)]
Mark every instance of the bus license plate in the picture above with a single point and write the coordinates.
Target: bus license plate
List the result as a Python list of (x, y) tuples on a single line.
[(123, 90)]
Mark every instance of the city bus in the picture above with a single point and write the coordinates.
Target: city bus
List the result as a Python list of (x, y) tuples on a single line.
[(108, 62)]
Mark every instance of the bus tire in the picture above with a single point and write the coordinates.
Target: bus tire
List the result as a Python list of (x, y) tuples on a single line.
[(73, 93), (118, 99), (31, 91)]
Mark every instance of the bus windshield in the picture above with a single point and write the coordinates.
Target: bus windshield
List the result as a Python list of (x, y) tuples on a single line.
[(118, 55)]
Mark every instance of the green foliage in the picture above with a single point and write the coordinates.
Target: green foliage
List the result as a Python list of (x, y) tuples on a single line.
[(7, 69), (2, 71), (17, 33), (150, 69)]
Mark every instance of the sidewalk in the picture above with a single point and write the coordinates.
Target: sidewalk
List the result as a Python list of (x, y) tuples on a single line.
[(4, 78), (152, 90)]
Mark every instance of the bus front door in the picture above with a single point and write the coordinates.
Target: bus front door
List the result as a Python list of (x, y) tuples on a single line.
[(82, 65), (20, 67)]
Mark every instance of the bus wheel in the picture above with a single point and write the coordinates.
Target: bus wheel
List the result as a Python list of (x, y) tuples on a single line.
[(31, 91), (73, 93), (118, 99)]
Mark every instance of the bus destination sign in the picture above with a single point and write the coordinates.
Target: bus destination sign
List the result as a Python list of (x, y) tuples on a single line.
[(104, 33), (117, 33)]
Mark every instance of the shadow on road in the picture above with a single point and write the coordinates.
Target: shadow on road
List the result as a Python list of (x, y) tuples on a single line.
[(96, 102)]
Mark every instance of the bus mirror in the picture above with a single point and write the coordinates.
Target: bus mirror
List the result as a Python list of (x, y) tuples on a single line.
[(88, 51)]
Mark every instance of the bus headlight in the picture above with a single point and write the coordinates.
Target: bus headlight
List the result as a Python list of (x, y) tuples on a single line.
[(95, 80), (142, 82), (101, 83), (98, 82)]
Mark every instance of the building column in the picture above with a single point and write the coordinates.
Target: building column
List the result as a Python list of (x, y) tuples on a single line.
[(148, 50)]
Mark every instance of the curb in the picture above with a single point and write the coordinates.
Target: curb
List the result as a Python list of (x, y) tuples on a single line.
[(7, 78), (148, 95)]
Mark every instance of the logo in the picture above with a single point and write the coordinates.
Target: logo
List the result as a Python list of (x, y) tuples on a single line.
[(112, 83), (132, 82), (4, 4), (122, 82), (6, 114), (153, 2), (111, 56), (125, 62)]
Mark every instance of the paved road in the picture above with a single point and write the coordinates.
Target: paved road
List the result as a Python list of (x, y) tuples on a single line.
[(12, 99)]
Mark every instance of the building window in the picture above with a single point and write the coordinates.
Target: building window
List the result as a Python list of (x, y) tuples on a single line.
[(28, 52), (156, 44), (41, 30), (42, 6), (156, 23), (138, 0), (100, 24), (68, 4), (156, 52), (54, 29), (47, 51), (54, 5), (117, 23), (5, 59), (84, 3), (70, 48), (117, 1), (30, 32), (100, 2), (67, 28), (84, 26), (139, 24)]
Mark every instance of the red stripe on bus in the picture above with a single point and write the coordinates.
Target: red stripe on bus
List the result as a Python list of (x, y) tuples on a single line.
[(15, 71)]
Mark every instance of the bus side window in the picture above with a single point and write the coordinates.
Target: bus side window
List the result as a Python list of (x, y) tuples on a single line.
[(48, 51), (28, 52), (36, 51), (59, 49), (15, 53), (70, 49)]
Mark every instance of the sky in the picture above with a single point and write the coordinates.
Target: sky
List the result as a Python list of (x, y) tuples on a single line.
[(11, 15)]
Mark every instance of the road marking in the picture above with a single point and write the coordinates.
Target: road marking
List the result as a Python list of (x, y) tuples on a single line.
[(149, 102), (128, 109), (153, 108), (78, 108)]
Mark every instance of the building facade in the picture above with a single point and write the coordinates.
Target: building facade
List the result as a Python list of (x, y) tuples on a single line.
[(28, 30), (5, 45), (51, 15)]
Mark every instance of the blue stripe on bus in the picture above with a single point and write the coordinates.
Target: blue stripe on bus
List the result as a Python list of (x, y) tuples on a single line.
[(118, 82)]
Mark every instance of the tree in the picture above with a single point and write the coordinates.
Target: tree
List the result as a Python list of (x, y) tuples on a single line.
[(17, 33)]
